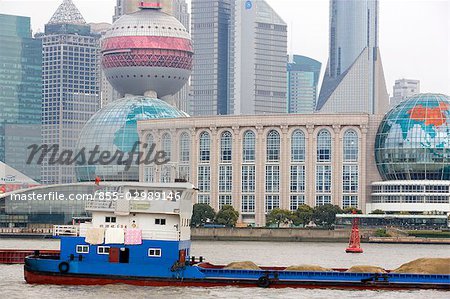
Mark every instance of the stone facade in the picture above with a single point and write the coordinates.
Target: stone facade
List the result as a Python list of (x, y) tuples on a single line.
[(272, 183)]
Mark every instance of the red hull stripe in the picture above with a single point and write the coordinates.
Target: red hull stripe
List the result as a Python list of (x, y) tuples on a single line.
[(68, 279), (146, 42)]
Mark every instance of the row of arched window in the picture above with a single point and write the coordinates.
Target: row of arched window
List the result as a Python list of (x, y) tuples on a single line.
[(273, 146)]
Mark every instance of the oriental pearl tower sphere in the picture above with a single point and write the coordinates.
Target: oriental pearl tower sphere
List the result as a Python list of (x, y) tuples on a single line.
[(147, 51), (145, 55)]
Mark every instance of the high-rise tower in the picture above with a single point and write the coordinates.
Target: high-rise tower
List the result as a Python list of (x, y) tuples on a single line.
[(303, 78), (354, 79), (20, 92), (240, 66), (210, 76), (71, 84)]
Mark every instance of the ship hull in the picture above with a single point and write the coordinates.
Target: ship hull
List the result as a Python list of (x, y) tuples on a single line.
[(39, 277)]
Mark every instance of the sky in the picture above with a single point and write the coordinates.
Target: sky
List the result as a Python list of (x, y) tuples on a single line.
[(414, 34)]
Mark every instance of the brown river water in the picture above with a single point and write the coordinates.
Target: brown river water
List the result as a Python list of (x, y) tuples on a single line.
[(388, 256)]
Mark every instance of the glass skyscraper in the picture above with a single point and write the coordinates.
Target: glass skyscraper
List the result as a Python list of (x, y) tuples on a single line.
[(20, 93), (71, 85), (303, 78), (210, 75), (354, 79), (240, 58)]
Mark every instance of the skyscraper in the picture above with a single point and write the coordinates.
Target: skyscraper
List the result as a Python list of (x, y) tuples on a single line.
[(404, 88), (71, 84), (107, 92), (354, 79), (303, 78), (20, 92), (240, 66), (176, 8), (210, 75), (258, 59)]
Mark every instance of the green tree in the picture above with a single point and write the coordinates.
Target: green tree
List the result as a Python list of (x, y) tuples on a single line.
[(350, 210), (278, 216), (201, 214), (325, 215), (227, 216), (303, 215), (377, 212)]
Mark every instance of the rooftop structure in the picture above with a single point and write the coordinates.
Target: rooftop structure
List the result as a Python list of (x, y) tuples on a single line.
[(67, 13)]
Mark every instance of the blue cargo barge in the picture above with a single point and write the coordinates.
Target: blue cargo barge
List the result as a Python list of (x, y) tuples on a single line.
[(138, 240)]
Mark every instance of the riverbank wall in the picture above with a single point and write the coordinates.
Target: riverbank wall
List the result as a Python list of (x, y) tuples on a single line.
[(274, 234)]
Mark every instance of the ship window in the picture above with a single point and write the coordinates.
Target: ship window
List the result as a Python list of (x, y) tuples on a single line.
[(103, 250), (154, 252), (159, 221), (110, 219), (82, 248)]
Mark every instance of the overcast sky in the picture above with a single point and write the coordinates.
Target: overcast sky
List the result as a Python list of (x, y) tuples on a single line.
[(414, 34)]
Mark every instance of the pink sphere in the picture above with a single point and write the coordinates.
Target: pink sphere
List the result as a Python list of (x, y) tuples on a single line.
[(147, 51)]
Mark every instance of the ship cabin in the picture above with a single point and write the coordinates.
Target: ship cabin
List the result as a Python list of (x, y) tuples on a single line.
[(132, 224)]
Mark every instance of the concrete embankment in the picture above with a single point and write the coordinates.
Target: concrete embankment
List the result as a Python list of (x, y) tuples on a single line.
[(273, 234), (409, 240)]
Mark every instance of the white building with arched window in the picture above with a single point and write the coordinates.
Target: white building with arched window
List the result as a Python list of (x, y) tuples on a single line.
[(260, 162)]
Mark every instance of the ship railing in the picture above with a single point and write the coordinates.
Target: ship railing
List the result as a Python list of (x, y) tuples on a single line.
[(65, 230), (151, 234)]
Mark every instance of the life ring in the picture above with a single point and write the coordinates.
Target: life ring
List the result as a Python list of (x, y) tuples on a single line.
[(263, 282), (63, 267)]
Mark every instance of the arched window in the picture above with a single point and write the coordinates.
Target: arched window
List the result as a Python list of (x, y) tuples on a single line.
[(226, 143), (350, 146), (273, 146), (324, 146), (185, 147), (167, 145), (149, 140), (205, 147), (298, 146), (248, 148)]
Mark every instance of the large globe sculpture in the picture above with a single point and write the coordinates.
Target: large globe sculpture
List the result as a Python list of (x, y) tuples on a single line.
[(147, 51), (114, 129), (413, 140)]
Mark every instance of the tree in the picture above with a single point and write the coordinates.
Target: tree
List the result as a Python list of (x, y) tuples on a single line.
[(377, 212), (303, 215), (350, 210), (201, 214), (325, 215), (227, 216), (278, 216)]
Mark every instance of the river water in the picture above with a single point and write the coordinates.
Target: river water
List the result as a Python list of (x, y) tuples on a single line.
[(388, 256)]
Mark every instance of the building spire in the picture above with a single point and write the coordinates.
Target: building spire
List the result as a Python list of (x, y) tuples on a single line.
[(67, 13)]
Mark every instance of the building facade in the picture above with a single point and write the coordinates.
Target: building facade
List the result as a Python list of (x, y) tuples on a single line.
[(303, 79), (210, 31), (240, 58), (258, 49), (403, 89), (107, 92), (70, 85), (20, 93), (354, 78), (258, 164)]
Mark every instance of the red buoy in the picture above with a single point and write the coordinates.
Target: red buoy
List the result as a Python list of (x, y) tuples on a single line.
[(354, 245)]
